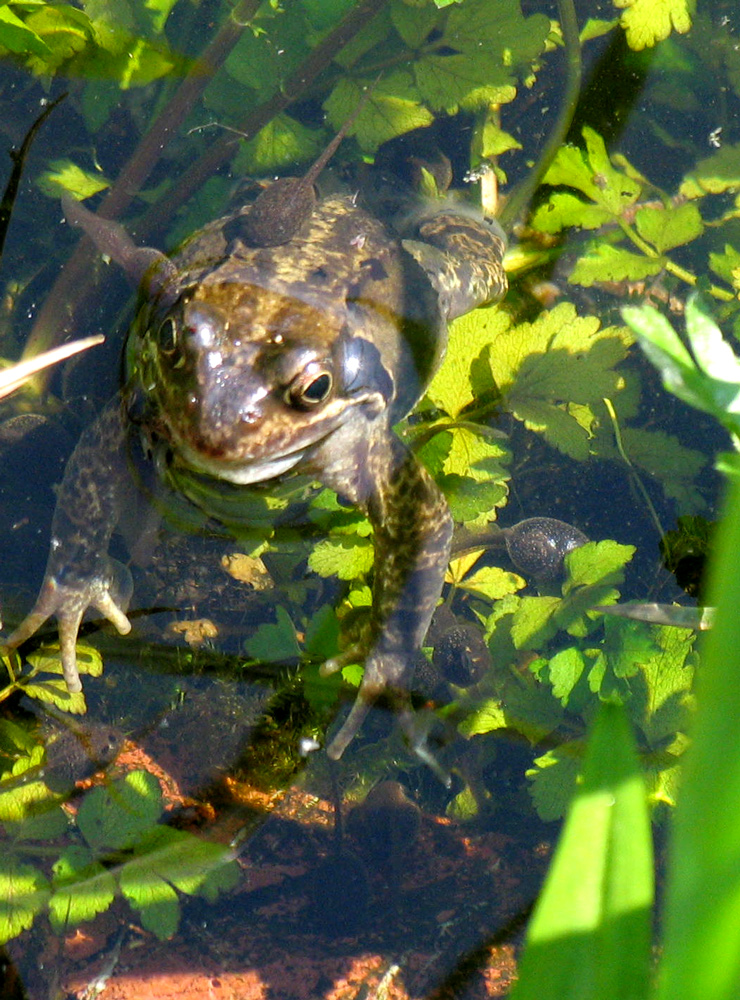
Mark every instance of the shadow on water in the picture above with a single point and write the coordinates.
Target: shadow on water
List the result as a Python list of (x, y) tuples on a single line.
[(180, 818)]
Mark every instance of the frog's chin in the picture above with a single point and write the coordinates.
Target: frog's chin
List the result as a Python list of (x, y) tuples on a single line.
[(243, 474)]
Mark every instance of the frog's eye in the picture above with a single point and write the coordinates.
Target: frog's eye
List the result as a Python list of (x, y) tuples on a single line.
[(310, 388), (167, 336)]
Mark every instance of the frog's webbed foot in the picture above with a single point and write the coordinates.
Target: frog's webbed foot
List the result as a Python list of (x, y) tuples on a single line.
[(68, 603), (384, 673)]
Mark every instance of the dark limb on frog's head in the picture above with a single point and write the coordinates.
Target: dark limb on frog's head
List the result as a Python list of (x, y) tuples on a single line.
[(281, 210)]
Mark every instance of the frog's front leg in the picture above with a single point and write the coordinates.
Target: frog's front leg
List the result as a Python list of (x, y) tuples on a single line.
[(412, 530), (79, 573)]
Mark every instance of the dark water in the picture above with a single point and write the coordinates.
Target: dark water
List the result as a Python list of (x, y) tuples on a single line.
[(434, 880)]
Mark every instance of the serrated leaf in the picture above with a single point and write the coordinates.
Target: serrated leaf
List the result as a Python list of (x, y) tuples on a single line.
[(492, 582), (447, 81), (591, 172), (55, 692), (115, 816), (484, 718), (533, 624), (715, 174), (82, 888), (563, 209), (661, 702), (607, 263), (392, 109), (66, 176), (276, 643), (458, 381), (628, 645), (413, 24), (647, 22), (471, 500), (596, 563), (667, 228), (564, 670), (345, 556), (677, 467), (282, 143), (553, 780), (23, 894)]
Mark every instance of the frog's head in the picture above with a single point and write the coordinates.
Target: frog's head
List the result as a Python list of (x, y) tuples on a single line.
[(247, 381)]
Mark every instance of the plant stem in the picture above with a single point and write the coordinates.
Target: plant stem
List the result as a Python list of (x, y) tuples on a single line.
[(675, 269), (522, 195)]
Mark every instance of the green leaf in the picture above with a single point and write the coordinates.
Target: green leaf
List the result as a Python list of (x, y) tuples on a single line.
[(471, 500), (553, 780), (345, 556), (282, 143), (485, 717), (533, 624), (64, 175), (82, 889), (23, 894), (590, 934), (649, 21), (591, 172), (492, 582), (392, 109), (565, 669), (662, 699), (18, 37), (169, 861), (563, 209), (671, 227), (677, 467), (681, 375), (322, 633), (459, 381), (607, 263), (115, 816), (717, 174), (274, 643), (596, 563)]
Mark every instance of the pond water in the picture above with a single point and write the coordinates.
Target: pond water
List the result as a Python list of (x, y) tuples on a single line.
[(179, 828)]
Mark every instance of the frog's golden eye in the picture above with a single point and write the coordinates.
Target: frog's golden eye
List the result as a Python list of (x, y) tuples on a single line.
[(309, 389), (167, 336)]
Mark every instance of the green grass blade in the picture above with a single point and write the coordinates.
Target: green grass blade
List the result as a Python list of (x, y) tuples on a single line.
[(702, 938), (589, 938)]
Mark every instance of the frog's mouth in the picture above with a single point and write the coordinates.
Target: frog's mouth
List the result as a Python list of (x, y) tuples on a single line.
[(279, 443)]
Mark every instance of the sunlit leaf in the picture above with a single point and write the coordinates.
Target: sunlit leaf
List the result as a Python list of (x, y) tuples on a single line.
[(347, 557), (64, 175), (671, 227), (608, 263), (117, 815), (392, 109), (18, 37), (649, 21), (82, 888), (23, 894)]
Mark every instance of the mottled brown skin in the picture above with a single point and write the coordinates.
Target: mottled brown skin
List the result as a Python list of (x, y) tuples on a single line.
[(256, 361)]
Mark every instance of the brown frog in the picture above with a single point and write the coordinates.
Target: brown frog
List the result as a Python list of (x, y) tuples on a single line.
[(256, 358)]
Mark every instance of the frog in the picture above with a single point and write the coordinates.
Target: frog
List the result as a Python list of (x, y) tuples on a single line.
[(255, 359)]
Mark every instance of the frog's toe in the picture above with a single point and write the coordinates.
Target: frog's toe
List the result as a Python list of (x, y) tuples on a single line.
[(68, 605), (383, 674)]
